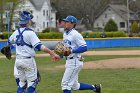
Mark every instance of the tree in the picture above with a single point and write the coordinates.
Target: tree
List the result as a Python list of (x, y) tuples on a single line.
[(1, 15), (111, 26), (86, 9), (10, 6), (134, 27), (15, 4), (82, 9)]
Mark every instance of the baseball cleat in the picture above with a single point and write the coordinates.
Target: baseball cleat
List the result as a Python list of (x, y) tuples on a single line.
[(98, 88)]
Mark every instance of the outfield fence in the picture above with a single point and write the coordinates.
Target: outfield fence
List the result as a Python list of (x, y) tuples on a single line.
[(113, 42), (94, 42)]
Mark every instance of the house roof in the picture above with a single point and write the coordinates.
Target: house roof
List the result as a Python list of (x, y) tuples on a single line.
[(38, 3), (121, 10)]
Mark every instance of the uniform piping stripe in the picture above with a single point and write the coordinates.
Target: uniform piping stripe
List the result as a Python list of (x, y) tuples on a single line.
[(37, 44), (72, 73), (84, 45)]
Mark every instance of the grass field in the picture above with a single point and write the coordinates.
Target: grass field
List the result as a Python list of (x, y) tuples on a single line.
[(112, 80)]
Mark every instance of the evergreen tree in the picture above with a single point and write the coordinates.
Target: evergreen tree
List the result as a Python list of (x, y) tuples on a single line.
[(134, 27), (111, 26)]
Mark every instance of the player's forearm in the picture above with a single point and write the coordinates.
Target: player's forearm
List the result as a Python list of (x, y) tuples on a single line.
[(80, 49), (45, 49)]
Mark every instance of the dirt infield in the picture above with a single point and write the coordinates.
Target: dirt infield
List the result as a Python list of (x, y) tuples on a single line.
[(109, 63), (120, 52), (112, 63)]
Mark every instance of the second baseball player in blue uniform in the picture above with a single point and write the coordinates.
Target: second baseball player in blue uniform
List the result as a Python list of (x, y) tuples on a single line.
[(74, 62)]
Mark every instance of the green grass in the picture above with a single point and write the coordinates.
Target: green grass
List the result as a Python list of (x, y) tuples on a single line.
[(115, 49), (113, 80)]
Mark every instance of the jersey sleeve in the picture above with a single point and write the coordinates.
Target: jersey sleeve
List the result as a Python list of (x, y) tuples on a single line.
[(11, 39), (79, 40), (34, 40)]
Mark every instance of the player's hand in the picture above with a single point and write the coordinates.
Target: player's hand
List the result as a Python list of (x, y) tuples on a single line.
[(54, 57), (68, 52)]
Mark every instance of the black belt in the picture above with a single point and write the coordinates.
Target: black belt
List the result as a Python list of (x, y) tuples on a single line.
[(69, 58), (24, 57), (79, 58), (27, 57)]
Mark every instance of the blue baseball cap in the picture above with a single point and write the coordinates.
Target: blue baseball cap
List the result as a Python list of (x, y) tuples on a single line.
[(25, 16), (71, 19)]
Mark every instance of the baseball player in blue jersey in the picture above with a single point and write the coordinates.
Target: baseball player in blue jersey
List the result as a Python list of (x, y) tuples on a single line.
[(26, 42), (74, 62)]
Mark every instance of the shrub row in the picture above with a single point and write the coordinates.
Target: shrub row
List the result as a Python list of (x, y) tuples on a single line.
[(5, 35), (50, 35), (104, 35), (58, 35)]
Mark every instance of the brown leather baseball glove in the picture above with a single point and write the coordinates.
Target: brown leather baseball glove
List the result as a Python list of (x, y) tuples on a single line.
[(62, 50)]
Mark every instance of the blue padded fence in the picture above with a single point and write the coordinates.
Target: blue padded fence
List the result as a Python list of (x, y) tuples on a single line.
[(97, 43), (111, 43)]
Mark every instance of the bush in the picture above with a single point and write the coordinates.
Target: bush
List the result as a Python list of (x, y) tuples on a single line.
[(117, 34), (99, 34), (50, 30), (111, 26), (59, 35), (134, 27), (91, 34), (5, 35), (50, 35)]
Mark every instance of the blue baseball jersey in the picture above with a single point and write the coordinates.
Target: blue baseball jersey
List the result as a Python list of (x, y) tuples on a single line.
[(73, 39)]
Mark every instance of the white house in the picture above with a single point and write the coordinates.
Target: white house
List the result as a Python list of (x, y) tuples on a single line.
[(44, 13), (118, 13)]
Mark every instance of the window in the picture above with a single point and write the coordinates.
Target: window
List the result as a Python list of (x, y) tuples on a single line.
[(43, 24), (6, 14), (31, 11), (105, 15), (43, 12), (38, 30), (122, 24), (103, 24), (47, 24), (47, 13), (97, 25)]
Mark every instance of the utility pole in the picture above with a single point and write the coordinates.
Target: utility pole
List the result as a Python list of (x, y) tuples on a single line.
[(1, 16), (9, 7)]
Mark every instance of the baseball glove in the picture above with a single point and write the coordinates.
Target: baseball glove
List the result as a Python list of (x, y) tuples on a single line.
[(6, 50), (62, 50)]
